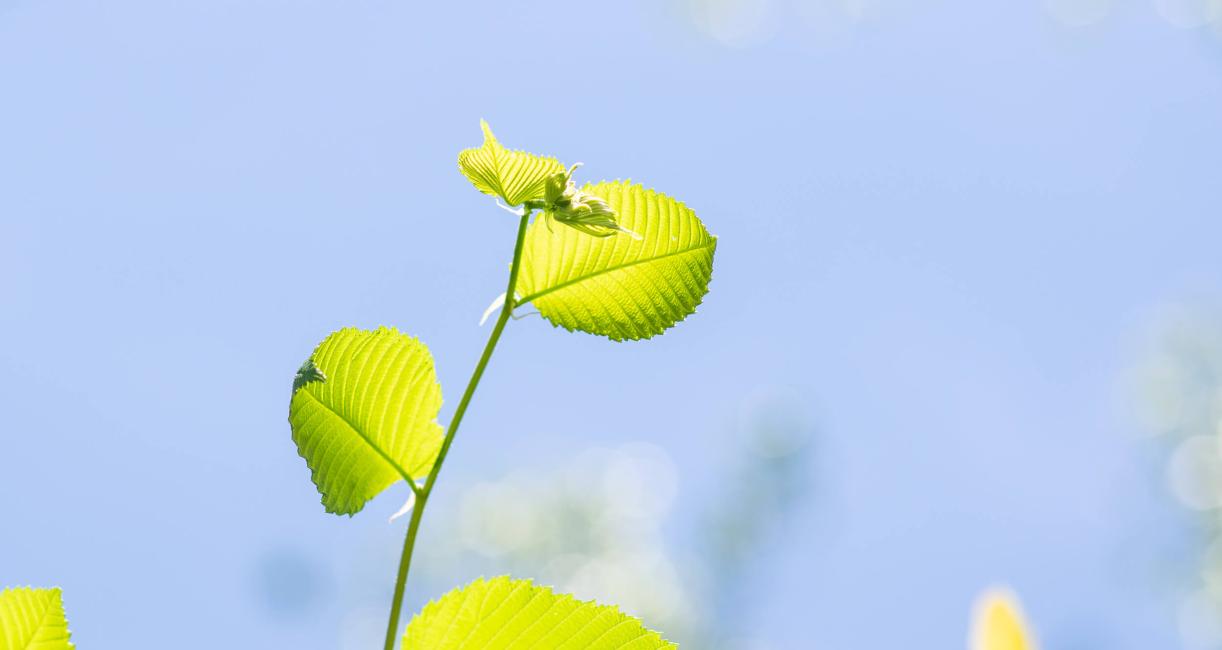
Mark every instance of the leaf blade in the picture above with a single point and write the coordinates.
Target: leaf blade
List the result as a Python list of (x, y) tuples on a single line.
[(620, 287), (506, 614), (369, 418), (33, 619), (515, 176)]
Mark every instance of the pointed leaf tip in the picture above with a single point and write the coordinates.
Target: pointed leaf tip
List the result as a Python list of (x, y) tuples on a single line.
[(515, 176)]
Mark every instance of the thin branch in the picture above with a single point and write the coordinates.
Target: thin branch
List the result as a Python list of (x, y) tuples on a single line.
[(422, 496)]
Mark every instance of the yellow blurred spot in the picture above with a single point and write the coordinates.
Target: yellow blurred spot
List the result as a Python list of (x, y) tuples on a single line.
[(998, 623)]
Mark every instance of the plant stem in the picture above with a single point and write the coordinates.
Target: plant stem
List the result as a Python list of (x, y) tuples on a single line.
[(422, 494)]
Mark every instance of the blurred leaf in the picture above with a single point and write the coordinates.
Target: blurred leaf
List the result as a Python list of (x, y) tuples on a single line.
[(618, 286), (372, 421), (33, 619), (515, 176), (501, 613), (998, 623)]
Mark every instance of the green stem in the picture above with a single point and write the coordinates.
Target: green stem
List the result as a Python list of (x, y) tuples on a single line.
[(423, 493)]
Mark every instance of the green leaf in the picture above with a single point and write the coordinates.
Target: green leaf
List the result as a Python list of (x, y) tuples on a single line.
[(33, 619), (515, 176), (506, 614), (619, 286), (364, 414)]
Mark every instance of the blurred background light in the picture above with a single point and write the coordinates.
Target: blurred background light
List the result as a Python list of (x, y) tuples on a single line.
[(1195, 472), (736, 23), (1181, 390), (292, 585), (1188, 14), (1199, 623), (1079, 13)]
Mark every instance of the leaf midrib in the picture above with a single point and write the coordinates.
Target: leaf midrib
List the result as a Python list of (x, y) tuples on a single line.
[(398, 468), (539, 294), (47, 612), (499, 155)]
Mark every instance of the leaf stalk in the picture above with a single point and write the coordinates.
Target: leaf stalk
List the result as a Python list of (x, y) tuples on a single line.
[(423, 493)]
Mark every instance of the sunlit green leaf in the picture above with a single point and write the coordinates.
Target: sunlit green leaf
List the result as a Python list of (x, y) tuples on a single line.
[(364, 414), (33, 619), (506, 614), (620, 286), (515, 176)]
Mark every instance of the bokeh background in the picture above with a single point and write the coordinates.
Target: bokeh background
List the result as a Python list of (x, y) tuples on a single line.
[(963, 329)]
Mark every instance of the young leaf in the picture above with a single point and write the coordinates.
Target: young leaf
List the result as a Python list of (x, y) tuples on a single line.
[(515, 176), (998, 623), (619, 286), (33, 619), (506, 614), (364, 414)]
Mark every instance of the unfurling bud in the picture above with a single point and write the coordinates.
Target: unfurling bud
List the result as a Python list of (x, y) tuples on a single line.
[(566, 204), (307, 373)]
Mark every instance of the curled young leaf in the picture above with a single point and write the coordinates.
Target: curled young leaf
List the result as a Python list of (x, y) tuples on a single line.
[(504, 614), (620, 287), (307, 373), (372, 421), (33, 619), (515, 176), (576, 208)]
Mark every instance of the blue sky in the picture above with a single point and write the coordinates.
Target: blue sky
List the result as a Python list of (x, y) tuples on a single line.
[(946, 226)]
